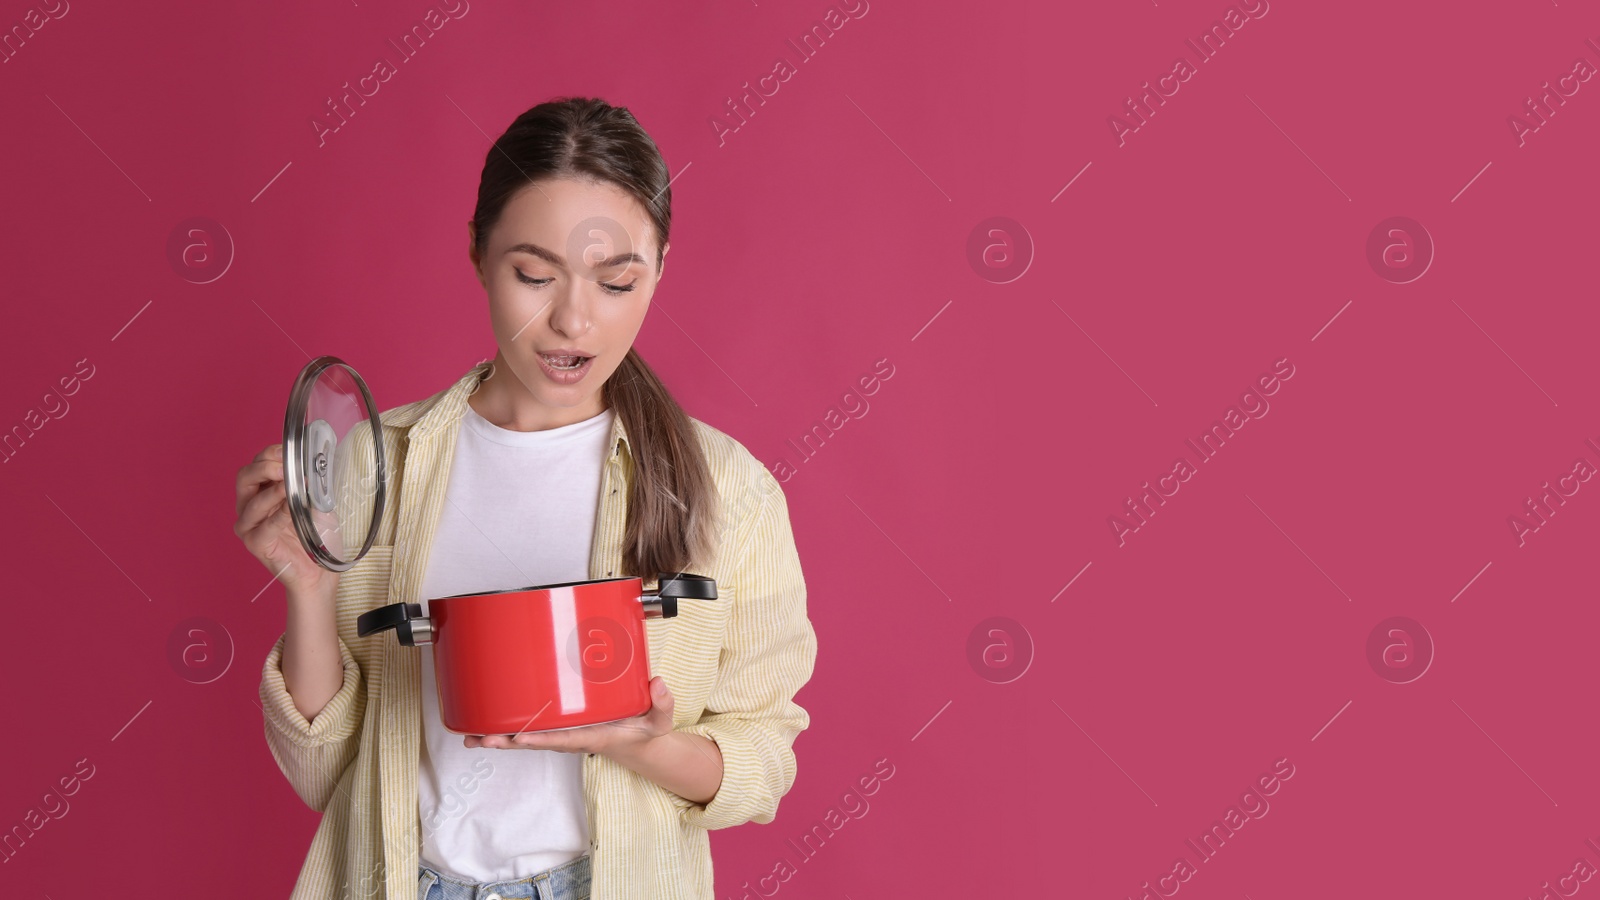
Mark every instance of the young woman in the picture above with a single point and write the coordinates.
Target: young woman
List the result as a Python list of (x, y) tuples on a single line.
[(562, 459)]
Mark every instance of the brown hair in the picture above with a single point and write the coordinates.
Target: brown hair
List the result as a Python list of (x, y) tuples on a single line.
[(671, 501)]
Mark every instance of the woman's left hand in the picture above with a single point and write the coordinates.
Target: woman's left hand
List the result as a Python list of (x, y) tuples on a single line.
[(607, 739)]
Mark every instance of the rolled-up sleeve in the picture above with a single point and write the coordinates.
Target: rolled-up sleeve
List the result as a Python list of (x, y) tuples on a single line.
[(768, 654), (313, 754)]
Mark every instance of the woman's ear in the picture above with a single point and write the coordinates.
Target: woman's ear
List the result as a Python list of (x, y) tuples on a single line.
[(663, 269), (472, 253)]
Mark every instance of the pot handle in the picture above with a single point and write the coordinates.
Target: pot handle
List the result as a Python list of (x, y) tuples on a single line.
[(406, 619), (675, 586)]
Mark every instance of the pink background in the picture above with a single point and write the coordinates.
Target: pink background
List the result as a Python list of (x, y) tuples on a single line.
[(826, 234)]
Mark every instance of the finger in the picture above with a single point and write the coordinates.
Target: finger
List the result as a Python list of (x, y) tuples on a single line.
[(271, 451), (565, 741), (261, 507), (253, 477)]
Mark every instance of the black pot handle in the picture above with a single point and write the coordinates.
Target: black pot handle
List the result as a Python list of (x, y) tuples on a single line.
[(405, 618), (673, 586), (682, 585)]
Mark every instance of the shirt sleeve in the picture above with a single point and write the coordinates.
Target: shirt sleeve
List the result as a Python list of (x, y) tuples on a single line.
[(768, 654), (313, 754)]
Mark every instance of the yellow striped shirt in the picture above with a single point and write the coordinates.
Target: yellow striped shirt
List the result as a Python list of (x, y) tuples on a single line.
[(733, 666)]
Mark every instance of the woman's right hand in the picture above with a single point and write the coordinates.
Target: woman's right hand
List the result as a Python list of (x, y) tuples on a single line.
[(267, 531)]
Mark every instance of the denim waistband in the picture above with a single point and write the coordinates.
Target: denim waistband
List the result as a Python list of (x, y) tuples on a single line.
[(569, 881)]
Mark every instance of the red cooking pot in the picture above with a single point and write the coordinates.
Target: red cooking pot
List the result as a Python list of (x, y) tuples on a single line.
[(540, 658), (531, 659)]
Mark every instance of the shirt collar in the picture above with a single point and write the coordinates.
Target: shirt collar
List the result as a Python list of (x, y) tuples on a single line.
[(452, 404)]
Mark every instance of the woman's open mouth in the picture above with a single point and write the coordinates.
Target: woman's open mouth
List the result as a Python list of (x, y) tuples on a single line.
[(564, 368)]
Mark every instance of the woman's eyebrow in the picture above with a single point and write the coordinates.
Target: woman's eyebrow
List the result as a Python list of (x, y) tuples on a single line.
[(555, 260)]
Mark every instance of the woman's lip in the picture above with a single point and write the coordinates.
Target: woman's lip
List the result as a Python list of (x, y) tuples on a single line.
[(565, 376)]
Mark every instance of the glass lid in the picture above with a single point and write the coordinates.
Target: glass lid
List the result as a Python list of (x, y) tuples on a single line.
[(333, 471)]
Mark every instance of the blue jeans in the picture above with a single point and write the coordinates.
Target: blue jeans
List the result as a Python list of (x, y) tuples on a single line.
[(569, 881)]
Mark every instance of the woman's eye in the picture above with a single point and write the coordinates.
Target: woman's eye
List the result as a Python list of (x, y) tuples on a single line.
[(541, 282)]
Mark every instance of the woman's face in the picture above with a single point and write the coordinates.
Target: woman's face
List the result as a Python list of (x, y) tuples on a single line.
[(569, 270)]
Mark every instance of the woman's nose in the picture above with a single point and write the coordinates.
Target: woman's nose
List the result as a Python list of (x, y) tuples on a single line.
[(569, 315)]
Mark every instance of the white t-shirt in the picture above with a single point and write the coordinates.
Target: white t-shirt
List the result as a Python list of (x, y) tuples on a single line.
[(520, 510)]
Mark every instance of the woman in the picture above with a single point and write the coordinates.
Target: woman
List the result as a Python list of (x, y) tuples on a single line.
[(497, 479)]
